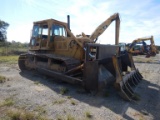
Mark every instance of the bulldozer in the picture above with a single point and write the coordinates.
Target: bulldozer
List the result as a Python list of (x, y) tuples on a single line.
[(148, 50), (54, 51)]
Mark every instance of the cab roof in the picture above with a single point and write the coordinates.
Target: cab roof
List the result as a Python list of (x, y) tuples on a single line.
[(49, 21)]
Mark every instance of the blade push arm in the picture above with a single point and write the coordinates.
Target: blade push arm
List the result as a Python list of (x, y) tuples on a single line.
[(102, 27)]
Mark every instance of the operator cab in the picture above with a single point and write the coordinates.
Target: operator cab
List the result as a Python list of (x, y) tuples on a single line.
[(45, 34)]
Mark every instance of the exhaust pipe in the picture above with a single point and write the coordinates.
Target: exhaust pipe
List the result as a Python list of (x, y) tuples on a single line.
[(68, 22)]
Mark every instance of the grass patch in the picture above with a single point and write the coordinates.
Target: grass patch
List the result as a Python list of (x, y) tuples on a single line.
[(9, 59), (69, 97), (40, 110), (2, 79), (59, 117), (18, 114), (59, 101), (69, 117), (148, 61), (88, 114), (63, 90), (12, 50), (138, 60), (73, 102), (7, 102), (36, 82), (143, 59)]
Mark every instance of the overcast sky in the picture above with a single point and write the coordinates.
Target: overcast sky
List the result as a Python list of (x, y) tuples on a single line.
[(139, 18)]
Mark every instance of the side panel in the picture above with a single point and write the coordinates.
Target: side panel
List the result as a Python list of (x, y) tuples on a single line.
[(91, 75), (107, 51)]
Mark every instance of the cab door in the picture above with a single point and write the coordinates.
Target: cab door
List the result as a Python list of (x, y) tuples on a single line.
[(59, 38), (44, 36), (35, 38)]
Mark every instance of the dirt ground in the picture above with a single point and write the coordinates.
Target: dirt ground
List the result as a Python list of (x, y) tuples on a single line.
[(32, 91)]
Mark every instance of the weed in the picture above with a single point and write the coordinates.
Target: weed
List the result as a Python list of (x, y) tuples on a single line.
[(144, 112), (36, 82), (140, 119), (18, 114), (73, 102), (148, 61), (69, 97), (136, 97), (7, 102), (14, 114), (59, 101), (40, 110), (2, 79), (88, 114), (59, 117), (63, 90), (69, 117)]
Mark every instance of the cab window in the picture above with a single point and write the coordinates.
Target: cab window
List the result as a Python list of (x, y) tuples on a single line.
[(35, 31), (45, 31), (58, 30)]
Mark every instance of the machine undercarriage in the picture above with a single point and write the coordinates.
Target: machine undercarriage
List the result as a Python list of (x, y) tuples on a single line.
[(94, 74)]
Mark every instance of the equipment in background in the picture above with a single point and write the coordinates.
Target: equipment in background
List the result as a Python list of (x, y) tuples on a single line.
[(148, 50)]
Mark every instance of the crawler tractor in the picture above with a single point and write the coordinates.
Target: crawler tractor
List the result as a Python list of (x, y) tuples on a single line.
[(56, 52), (149, 50)]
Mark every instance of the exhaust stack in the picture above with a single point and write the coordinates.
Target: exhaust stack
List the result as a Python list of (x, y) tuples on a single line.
[(68, 21)]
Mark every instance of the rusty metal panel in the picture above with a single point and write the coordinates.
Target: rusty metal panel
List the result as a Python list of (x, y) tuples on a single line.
[(91, 75), (107, 51), (103, 51)]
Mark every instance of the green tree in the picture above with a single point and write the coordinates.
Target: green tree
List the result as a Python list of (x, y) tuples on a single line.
[(3, 27)]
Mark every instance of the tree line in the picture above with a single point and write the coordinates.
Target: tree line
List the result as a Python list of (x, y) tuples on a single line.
[(3, 33)]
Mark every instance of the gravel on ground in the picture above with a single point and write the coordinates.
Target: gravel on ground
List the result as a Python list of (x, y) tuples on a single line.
[(35, 92)]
